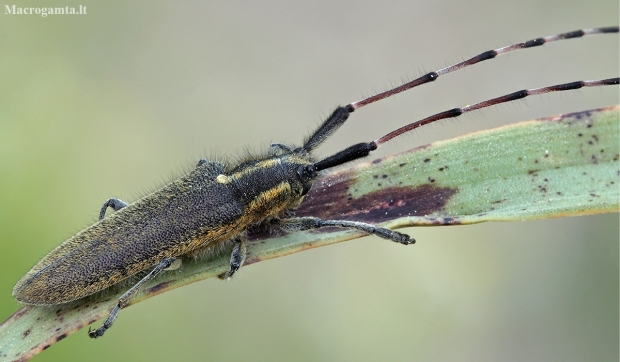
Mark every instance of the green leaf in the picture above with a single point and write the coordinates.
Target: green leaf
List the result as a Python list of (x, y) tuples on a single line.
[(553, 167)]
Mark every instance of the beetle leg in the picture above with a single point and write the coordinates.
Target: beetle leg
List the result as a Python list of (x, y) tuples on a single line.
[(124, 299), (114, 203), (305, 223), (237, 257)]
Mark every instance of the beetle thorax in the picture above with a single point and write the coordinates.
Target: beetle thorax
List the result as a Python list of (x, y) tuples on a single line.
[(269, 186)]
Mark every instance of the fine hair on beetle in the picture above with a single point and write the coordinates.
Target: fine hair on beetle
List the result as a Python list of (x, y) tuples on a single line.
[(212, 207)]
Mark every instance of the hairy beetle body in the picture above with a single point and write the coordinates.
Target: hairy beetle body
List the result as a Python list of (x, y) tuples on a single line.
[(198, 211)]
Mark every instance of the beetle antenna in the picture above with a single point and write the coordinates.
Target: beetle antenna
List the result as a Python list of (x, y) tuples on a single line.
[(363, 149), (340, 115), (490, 54)]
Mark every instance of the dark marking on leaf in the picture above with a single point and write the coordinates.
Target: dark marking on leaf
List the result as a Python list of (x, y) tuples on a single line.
[(427, 160), (61, 337), (46, 346), (327, 200), (402, 164), (26, 332), (20, 312), (384, 176), (157, 288), (594, 159), (377, 161), (438, 220)]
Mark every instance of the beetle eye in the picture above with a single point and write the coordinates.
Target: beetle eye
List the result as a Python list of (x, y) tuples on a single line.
[(306, 188), (306, 173)]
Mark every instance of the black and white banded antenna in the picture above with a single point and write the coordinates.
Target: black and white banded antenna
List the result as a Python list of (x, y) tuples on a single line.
[(340, 115)]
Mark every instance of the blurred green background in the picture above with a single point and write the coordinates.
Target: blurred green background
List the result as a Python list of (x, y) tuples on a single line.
[(119, 101)]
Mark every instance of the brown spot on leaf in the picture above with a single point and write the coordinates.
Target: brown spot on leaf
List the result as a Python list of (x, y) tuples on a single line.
[(331, 202), (155, 289), (594, 159)]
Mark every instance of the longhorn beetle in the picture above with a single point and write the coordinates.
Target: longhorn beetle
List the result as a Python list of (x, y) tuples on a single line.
[(215, 203)]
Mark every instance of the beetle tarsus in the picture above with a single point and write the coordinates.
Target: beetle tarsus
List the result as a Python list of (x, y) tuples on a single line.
[(96, 333), (237, 257), (123, 301), (114, 203)]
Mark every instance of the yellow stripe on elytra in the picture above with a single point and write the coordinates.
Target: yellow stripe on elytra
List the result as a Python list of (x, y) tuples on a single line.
[(271, 202), (270, 163)]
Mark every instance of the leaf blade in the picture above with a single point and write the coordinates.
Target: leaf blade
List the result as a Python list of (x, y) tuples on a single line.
[(446, 183)]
